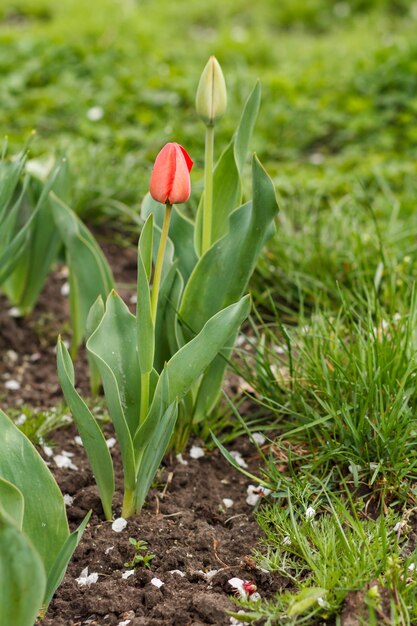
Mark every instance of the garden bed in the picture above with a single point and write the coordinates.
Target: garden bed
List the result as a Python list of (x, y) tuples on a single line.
[(196, 521)]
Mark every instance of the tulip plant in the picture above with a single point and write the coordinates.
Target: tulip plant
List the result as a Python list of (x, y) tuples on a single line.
[(35, 543), (168, 361), (35, 223)]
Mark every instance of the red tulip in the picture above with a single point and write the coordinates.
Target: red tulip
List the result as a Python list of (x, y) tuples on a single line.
[(170, 178)]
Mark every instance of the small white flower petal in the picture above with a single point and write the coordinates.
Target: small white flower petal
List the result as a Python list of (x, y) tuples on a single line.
[(78, 440), (12, 385), (108, 550), (95, 114), (181, 460), (47, 451), (310, 512), (258, 438), (196, 452), (68, 500), (228, 502), (124, 623), (237, 584), (119, 524), (128, 573), (156, 582), (111, 442), (19, 421), (63, 461), (239, 459), (178, 572), (65, 289), (85, 579)]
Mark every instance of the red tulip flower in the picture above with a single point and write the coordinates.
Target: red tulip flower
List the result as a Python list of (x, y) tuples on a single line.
[(170, 178)]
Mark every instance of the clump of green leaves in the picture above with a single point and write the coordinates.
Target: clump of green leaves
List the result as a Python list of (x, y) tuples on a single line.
[(140, 557)]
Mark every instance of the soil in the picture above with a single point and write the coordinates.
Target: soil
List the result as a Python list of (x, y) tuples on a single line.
[(198, 543)]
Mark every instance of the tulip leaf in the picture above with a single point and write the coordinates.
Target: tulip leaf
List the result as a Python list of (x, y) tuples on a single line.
[(246, 126), (46, 525), (90, 274), (60, 565), (144, 324), (10, 173), (113, 345), (12, 503), (92, 437), (22, 577), (154, 447), (187, 365), (222, 274), (94, 318)]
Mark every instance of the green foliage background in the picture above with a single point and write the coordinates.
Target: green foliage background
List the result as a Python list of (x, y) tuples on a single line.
[(339, 87)]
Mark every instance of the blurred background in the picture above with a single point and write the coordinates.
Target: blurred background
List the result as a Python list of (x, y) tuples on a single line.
[(108, 82)]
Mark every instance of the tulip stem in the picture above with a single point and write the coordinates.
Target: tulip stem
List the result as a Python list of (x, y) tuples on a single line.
[(208, 189), (159, 262)]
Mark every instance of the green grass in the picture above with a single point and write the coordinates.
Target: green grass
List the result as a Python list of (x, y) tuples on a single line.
[(327, 548)]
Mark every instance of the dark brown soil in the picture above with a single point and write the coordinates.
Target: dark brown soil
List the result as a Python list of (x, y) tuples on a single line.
[(184, 522)]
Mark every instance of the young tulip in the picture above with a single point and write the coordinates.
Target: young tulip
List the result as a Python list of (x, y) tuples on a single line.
[(211, 98), (170, 178)]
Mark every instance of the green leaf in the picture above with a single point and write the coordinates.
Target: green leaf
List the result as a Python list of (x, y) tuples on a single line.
[(222, 274), (93, 439), (22, 577), (43, 243), (10, 173), (305, 600), (90, 274), (59, 568), (187, 365), (153, 446), (246, 126), (145, 328), (113, 345), (11, 502), (94, 318), (45, 525)]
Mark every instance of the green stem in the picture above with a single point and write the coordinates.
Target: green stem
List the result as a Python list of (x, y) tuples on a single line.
[(159, 262), (208, 189), (144, 396), (128, 498)]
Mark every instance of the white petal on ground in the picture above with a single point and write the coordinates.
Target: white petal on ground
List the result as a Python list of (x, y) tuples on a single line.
[(65, 289), (119, 524), (78, 440), (108, 550), (128, 573), (228, 502), (255, 493), (259, 438), (68, 500), (12, 385), (156, 582), (15, 312), (110, 443), (85, 579), (181, 460), (237, 584), (47, 451), (20, 420), (64, 462), (177, 571), (196, 452), (239, 459), (208, 575), (124, 623), (310, 512)]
